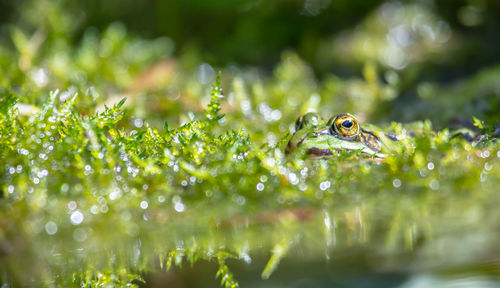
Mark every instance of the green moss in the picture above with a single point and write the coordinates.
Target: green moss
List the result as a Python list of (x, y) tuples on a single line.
[(79, 188), (103, 182)]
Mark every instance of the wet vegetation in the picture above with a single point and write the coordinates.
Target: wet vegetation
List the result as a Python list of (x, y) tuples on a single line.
[(126, 160)]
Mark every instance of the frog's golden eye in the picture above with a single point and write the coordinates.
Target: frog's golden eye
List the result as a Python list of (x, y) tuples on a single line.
[(307, 120), (345, 125)]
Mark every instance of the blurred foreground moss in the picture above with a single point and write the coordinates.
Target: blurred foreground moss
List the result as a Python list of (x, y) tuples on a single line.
[(86, 202)]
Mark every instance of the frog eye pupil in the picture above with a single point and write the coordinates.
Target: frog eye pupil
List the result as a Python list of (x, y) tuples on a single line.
[(347, 123)]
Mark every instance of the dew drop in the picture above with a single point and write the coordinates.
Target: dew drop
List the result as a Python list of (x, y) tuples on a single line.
[(179, 207), (72, 205), (43, 156), (430, 166), (271, 162), (396, 183), (94, 209), (324, 185), (487, 166), (115, 194), (292, 177), (260, 186), (303, 187), (245, 257), (26, 152), (76, 217), (304, 171), (138, 123), (51, 228)]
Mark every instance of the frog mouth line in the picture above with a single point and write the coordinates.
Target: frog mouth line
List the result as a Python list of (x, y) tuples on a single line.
[(318, 152)]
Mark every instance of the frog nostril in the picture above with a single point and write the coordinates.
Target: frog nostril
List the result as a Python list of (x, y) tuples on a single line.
[(347, 123)]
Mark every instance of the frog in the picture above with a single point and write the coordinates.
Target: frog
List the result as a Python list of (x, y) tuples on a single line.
[(318, 138)]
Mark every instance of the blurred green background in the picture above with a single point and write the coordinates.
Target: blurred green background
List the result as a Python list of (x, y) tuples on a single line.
[(250, 32), (431, 55)]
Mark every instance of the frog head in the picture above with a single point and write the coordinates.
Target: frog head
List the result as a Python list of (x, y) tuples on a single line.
[(343, 132)]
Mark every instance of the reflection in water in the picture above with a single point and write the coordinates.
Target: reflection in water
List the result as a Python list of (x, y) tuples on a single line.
[(460, 281)]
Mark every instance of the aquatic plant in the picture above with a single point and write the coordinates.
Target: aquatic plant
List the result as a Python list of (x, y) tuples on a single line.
[(86, 202)]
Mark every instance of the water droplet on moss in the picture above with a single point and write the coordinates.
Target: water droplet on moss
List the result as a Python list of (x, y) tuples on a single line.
[(430, 166), (245, 257), (396, 183), (179, 207), (303, 187), (104, 208), (304, 171), (260, 186), (488, 166), (94, 209), (25, 152), (138, 122), (115, 194), (292, 177), (51, 228), (76, 217), (72, 205), (324, 185)]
